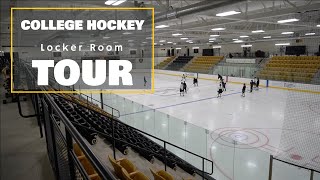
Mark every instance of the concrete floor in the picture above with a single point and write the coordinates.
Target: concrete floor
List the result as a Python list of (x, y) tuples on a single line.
[(23, 152)]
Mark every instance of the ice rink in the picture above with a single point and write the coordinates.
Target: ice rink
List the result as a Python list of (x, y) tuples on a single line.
[(235, 132)]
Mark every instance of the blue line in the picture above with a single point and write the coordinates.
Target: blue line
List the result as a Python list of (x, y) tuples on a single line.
[(180, 104)]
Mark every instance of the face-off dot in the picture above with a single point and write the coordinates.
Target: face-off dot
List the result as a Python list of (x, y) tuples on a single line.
[(295, 157)]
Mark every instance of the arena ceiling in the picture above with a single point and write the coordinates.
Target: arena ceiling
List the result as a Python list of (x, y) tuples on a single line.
[(196, 20)]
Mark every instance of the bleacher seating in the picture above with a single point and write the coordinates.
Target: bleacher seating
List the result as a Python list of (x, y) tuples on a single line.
[(164, 63), (291, 68), (203, 64), (88, 123), (120, 164), (161, 175), (93, 175), (179, 62), (133, 176)]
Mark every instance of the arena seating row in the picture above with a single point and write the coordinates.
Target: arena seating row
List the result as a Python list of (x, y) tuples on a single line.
[(291, 68), (295, 62), (93, 175), (88, 123), (85, 103), (283, 69), (296, 58), (179, 62), (164, 63), (203, 64)]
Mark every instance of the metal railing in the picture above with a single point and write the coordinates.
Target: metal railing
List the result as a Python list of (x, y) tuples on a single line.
[(312, 171)]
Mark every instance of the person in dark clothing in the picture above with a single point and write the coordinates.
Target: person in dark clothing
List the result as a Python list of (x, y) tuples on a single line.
[(195, 81), (219, 77), (244, 90), (145, 81), (251, 85), (224, 86), (185, 87), (220, 91), (181, 89), (257, 84)]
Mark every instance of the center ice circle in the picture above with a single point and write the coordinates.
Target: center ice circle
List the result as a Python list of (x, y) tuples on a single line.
[(239, 138)]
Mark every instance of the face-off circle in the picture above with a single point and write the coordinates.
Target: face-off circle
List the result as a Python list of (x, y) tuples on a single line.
[(239, 138), (315, 107)]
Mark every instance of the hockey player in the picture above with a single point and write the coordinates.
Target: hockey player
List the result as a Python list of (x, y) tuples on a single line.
[(181, 89), (183, 78), (224, 85), (195, 81), (244, 90), (251, 85), (220, 91), (185, 87)]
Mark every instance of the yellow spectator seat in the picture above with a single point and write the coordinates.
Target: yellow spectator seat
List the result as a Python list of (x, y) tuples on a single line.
[(161, 175), (121, 163), (137, 175)]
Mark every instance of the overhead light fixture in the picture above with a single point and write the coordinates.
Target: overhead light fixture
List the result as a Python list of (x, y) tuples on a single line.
[(318, 25), (287, 33), (218, 29), (155, 43), (148, 37), (283, 44), (215, 35), (176, 34), (81, 42), (212, 39), (258, 31), (161, 26), (115, 42), (288, 20), (246, 45), (178, 48), (195, 47), (92, 40), (310, 34), (114, 2), (161, 44), (126, 33), (184, 38), (216, 47), (144, 42), (174, 43), (191, 42), (238, 41), (169, 42), (106, 37), (235, 39), (119, 2), (228, 13), (267, 37), (162, 41), (251, 165), (244, 36)]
